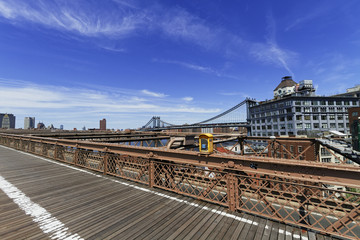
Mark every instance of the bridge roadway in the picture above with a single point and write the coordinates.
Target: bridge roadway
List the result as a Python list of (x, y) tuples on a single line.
[(45, 199)]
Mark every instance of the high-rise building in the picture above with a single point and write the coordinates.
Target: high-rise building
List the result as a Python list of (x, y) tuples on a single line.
[(29, 122), (296, 110), (40, 125), (103, 124), (7, 120), (61, 127)]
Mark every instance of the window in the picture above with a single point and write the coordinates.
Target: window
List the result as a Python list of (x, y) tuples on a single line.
[(346, 103), (315, 109), (324, 125), (307, 125), (332, 117), (340, 125), (290, 125), (291, 148), (307, 103), (275, 119), (269, 127), (327, 160), (331, 109), (339, 109), (258, 127), (307, 109), (263, 120), (338, 103), (263, 127), (323, 109), (299, 149), (340, 117), (330, 102), (299, 117), (289, 118), (275, 127), (268, 120), (316, 125), (354, 114), (332, 125), (282, 126), (323, 117), (307, 117), (322, 102), (282, 119), (299, 125), (314, 103), (298, 109), (316, 117)]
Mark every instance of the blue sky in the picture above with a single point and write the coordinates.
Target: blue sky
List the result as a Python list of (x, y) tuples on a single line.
[(74, 62)]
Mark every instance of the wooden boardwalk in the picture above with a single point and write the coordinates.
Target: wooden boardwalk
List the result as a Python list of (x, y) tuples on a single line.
[(44, 199)]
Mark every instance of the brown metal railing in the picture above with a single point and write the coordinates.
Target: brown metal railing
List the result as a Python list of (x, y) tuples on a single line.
[(297, 193)]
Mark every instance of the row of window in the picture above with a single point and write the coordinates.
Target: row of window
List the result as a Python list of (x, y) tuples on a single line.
[(306, 103), (321, 109), (320, 125), (324, 102), (302, 117), (301, 126)]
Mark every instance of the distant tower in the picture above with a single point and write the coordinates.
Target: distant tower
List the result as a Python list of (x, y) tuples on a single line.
[(61, 127), (103, 124), (29, 123), (7, 120), (40, 125)]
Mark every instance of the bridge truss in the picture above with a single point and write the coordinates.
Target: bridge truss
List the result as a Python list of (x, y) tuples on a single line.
[(236, 116)]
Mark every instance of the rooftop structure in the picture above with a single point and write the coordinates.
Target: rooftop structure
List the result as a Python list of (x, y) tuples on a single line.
[(299, 111)]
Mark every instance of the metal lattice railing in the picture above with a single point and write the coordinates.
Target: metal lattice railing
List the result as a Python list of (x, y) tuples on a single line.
[(318, 205)]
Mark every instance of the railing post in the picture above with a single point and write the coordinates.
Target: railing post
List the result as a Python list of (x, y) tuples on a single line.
[(151, 173), (231, 191), (105, 160), (76, 155), (55, 150)]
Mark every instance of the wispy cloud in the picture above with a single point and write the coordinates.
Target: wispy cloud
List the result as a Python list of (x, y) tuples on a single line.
[(187, 99), (270, 52), (196, 67), (84, 19), (153, 94), (57, 104)]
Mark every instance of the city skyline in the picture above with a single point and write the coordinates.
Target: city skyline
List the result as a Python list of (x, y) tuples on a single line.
[(74, 63)]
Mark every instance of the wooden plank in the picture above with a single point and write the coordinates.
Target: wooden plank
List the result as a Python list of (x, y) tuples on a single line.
[(282, 229), (245, 230), (221, 229), (267, 231), (240, 226), (233, 226), (210, 228), (274, 231), (252, 232), (169, 221), (204, 228), (201, 224), (152, 223), (289, 232), (260, 229), (312, 235), (170, 230)]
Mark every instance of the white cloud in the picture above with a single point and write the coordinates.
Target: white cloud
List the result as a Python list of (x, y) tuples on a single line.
[(270, 52), (199, 68), (73, 17), (187, 99), (153, 94), (54, 104)]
